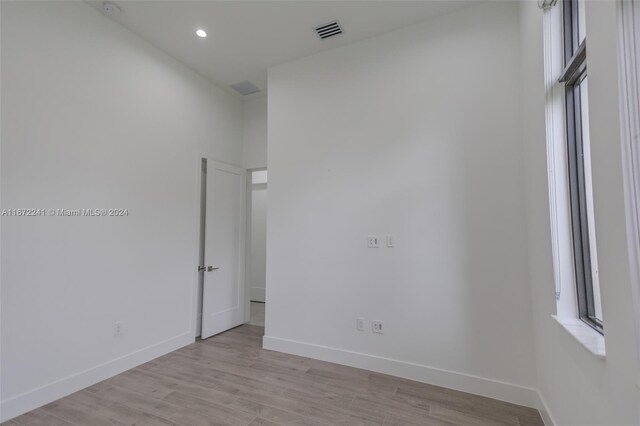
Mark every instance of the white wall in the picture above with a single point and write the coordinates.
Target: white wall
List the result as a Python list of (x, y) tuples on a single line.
[(257, 272), (94, 117), (417, 134), (254, 133), (578, 388), (254, 138)]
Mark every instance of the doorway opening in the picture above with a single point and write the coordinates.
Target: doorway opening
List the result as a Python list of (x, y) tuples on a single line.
[(257, 245)]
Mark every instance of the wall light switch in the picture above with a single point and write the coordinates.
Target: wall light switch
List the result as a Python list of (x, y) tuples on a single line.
[(360, 324), (372, 241), (391, 241)]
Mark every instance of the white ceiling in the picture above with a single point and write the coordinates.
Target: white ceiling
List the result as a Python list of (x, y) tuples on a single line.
[(246, 37)]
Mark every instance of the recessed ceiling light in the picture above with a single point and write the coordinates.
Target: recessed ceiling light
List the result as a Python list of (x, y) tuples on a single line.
[(201, 33)]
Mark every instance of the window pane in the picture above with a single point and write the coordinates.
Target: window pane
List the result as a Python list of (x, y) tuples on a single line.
[(593, 252), (582, 21)]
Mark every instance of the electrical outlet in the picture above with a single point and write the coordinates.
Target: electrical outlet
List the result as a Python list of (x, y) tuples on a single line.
[(391, 241), (372, 241), (376, 326), (360, 324), (117, 328)]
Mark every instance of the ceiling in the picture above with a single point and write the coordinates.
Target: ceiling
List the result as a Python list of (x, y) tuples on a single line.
[(247, 37)]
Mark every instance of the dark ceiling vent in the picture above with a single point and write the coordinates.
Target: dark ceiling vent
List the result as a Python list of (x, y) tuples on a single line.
[(331, 29), (245, 88)]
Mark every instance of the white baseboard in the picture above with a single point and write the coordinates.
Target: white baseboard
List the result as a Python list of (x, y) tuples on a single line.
[(257, 294), (545, 413), (495, 389), (38, 397)]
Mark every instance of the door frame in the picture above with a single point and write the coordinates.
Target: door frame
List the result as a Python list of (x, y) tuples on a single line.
[(198, 230)]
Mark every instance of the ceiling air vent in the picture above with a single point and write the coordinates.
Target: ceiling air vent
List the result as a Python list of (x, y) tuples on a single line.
[(245, 88), (331, 29)]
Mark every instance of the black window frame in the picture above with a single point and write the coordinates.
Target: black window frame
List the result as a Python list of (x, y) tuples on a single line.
[(574, 74)]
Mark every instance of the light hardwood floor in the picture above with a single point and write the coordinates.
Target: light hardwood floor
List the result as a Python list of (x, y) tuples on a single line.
[(230, 380)]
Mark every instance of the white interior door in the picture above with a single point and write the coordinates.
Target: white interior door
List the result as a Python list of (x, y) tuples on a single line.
[(223, 291)]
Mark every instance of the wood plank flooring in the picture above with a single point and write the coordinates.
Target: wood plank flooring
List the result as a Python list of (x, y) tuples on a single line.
[(230, 380)]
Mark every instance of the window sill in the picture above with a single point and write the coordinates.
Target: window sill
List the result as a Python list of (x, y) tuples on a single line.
[(587, 336)]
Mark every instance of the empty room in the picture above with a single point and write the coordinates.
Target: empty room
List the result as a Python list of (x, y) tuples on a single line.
[(260, 213)]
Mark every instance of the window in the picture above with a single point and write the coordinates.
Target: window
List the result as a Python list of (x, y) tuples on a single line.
[(574, 76)]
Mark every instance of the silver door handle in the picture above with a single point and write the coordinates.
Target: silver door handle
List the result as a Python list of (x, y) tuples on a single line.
[(207, 268)]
